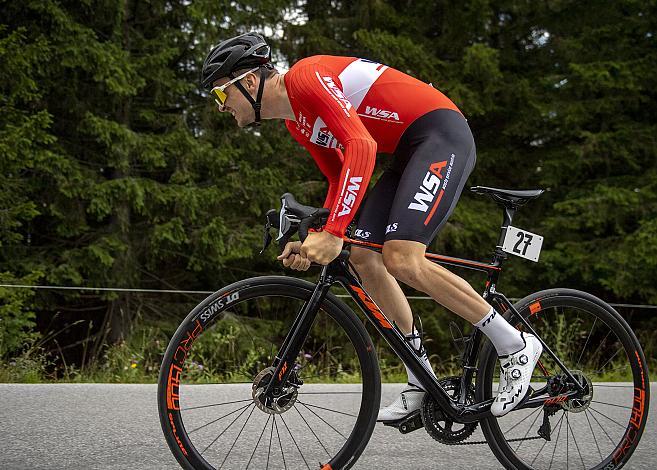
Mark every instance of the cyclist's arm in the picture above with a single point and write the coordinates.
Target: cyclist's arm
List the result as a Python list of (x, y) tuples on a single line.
[(318, 88), (329, 161)]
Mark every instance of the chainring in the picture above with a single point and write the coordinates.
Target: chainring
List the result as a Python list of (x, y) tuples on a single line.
[(437, 424)]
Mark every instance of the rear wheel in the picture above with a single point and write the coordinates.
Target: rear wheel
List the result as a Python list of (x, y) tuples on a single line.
[(218, 363), (599, 427)]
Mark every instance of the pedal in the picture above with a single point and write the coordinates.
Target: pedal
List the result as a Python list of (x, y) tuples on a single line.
[(408, 424)]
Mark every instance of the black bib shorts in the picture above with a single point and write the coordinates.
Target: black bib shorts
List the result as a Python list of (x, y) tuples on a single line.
[(417, 193)]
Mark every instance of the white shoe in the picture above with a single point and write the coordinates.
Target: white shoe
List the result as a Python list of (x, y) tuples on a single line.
[(408, 401), (516, 375)]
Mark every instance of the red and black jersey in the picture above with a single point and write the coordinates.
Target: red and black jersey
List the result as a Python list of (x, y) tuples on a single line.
[(346, 109)]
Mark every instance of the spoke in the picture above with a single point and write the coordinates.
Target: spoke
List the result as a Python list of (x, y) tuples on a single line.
[(600, 344), (256, 446), (528, 429), (327, 409), (295, 442), (215, 420), (523, 419), (610, 419), (323, 420), (238, 436), (593, 434), (309, 361), (587, 342), (562, 313), (280, 443), (601, 427), (622, 366), (216, 404), (539, 451), (575, 441), (608, 361), (545, 442), (228, 427), (330, 393), (241, 322), (567, 440), (611, 404), (271, 434), (557, 441), (314, 434)]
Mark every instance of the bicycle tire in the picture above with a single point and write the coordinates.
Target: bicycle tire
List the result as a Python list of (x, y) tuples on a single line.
[(211, 309), (576, 302)]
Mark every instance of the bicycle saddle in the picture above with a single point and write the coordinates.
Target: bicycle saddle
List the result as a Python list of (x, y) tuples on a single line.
[(509, 198)]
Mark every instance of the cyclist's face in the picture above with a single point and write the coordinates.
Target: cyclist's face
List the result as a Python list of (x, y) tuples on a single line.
[(236, 103)]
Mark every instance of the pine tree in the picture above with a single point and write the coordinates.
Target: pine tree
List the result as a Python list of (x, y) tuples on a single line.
[(134, 181)]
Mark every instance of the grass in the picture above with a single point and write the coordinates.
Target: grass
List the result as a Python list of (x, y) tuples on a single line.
[(123, 364), (138, 359)]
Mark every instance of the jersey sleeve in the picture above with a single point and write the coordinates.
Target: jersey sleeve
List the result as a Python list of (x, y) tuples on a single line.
[(319, 89), (329, 161)]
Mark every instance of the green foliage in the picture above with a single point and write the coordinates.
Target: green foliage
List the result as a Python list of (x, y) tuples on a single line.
[(17, 316)]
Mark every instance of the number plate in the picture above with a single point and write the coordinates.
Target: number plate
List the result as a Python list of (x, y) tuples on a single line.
[(522, 243)]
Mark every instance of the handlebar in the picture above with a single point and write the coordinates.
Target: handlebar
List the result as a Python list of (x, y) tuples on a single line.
[(292, 218)]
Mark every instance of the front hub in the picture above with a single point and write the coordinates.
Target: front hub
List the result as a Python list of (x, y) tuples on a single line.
[(278, 400)]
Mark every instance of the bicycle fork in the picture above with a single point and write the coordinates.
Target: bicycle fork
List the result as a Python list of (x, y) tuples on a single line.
[(289, 351)]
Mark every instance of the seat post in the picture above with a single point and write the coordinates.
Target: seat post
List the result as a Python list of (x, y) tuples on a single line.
[(500, 255)]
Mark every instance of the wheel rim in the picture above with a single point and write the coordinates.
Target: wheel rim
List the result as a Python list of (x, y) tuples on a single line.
[(219, 421), (589, 431)]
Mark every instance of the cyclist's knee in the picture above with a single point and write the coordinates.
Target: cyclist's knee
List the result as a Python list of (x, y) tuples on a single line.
[(404, 265), (366, 261)]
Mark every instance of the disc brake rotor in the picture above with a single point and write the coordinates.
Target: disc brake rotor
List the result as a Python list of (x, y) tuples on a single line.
[(273, 403), (580, 402)]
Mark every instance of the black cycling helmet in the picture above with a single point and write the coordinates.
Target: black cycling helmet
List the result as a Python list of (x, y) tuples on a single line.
[(247, 50)]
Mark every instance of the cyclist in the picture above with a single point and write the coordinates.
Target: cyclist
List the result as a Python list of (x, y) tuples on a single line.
[(344, 110)]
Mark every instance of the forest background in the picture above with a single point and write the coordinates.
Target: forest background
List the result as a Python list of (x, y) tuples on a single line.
[(117, 171)]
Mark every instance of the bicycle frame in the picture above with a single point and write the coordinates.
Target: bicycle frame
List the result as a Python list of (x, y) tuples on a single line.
[(456, 408)]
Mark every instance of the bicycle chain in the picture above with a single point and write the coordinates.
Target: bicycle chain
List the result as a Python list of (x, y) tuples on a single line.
[(486, 442)]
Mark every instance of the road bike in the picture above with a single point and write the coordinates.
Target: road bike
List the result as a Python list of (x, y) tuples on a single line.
[(278, 372)]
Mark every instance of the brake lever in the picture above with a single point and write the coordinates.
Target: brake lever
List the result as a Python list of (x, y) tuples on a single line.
[(272, 222), (267, 238)]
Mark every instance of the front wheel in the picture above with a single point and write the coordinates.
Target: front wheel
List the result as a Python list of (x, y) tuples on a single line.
[(214, 372), (598, 428)]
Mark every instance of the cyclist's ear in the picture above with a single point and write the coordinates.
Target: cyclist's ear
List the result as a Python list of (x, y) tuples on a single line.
[(251, 81)]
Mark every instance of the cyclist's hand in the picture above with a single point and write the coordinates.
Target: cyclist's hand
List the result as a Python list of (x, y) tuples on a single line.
[(321, 247), (292, 258)]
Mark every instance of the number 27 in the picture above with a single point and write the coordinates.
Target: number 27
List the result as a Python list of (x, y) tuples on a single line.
[(523, 237)]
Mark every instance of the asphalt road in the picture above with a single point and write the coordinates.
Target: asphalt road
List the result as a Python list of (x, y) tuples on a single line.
[(99, 426)]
